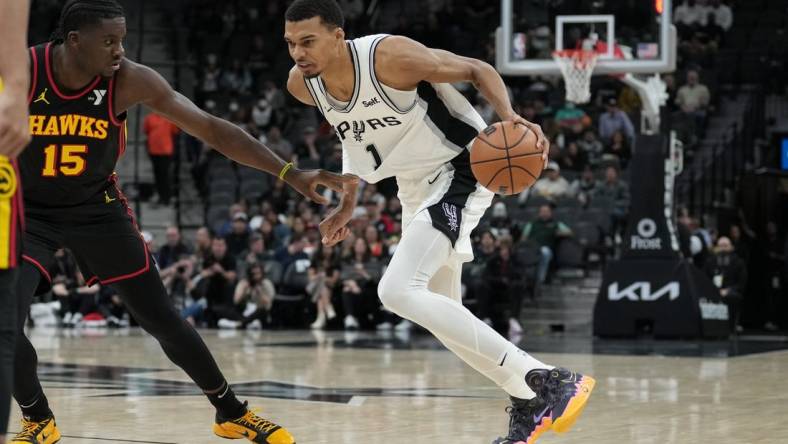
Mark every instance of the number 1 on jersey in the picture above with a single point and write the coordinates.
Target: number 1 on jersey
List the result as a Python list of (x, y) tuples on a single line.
[(375, 155)]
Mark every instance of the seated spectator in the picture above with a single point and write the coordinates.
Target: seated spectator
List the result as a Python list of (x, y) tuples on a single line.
[(584, 186), (720, 19), (620, 148), (227, 225), (209, 82), (255, 254), (551, 185), (688, 17), (237, 78), (693, 99), (590, 145), (252, 301), (324, 275), (215, 286), (545, 233), (262, 118), (570, 116), (376, 247), (617, 192), (503, 281), (573, 158), (176, 263), (238, 238), (612, 120), (202, 244), (307, 148), (728, 273), (291, 253), (501, 224), (278, 144), (360, 276)]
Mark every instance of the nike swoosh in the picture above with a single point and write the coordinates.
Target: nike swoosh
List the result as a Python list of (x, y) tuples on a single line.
[(539, 417), (436, 178)]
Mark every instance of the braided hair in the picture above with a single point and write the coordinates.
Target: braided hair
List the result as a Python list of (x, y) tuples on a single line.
[(79, 13)]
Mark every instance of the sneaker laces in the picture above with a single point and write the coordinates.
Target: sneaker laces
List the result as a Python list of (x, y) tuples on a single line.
[(29, 430), (257, 422), (520, 415)]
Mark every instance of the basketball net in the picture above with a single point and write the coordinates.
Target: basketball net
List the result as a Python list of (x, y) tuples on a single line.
[(577, 66)]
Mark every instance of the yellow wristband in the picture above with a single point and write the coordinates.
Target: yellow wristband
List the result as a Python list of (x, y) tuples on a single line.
[(285, 169)]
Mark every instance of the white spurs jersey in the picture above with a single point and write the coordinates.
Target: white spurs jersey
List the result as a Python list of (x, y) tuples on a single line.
[(387, 132)]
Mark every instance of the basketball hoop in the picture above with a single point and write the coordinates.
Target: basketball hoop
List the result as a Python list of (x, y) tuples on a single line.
[(577, 66)]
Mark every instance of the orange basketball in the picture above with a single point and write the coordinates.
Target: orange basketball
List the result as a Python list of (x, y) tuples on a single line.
[(505, 158)]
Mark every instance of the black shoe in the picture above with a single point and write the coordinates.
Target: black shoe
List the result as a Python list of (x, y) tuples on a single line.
[(564, 392), (528, 418)]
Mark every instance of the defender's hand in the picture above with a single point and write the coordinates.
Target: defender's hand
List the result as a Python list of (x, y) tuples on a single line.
[(541, 141), (14, 132), (306, 182)]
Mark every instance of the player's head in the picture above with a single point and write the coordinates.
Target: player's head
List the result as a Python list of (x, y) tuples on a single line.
[(94, 31), (314, 34)]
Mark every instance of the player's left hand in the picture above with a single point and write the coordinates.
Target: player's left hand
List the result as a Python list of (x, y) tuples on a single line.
[(306, 182), (541, 141)]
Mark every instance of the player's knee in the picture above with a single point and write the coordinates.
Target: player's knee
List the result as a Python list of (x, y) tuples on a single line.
[(393, 294)]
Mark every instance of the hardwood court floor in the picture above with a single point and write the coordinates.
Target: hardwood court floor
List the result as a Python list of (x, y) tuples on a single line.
[(118, 387)]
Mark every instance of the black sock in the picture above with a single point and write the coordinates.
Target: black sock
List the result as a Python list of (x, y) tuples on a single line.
[(37, 409), (227, 405)]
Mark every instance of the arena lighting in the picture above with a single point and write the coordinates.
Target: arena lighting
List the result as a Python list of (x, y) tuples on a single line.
[(658, 6)]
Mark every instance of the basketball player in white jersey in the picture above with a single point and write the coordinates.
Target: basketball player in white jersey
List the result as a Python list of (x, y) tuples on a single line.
[(390, 101)]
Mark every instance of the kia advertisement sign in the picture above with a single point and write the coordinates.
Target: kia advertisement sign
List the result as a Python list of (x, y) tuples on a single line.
[(651, 289)]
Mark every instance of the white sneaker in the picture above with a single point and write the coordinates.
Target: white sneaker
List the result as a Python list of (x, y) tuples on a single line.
[(76, 319), (350, 322), (255, 325), (384, 326), (67, 319), (320, 322), (515, 328), (404, 325), (227, 323), (330, 313)]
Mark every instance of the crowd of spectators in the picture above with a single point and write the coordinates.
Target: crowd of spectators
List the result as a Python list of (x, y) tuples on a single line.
[(259, 263)]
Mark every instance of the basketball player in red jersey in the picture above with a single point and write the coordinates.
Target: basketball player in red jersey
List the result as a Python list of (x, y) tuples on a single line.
[(391, 102), (14, 84), (81, 89)]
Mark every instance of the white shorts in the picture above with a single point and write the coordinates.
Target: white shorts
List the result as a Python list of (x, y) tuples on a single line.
[(450, 199)]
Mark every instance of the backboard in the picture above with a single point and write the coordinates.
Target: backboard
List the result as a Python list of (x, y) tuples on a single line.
[(532, 29)]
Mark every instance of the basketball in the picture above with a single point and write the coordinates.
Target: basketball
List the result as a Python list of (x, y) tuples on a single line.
[(505, 158)]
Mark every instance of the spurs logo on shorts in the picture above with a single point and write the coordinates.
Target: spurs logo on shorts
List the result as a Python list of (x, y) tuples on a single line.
[(450, 210)]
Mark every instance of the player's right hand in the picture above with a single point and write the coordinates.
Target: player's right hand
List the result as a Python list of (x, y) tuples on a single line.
[(14, 132)]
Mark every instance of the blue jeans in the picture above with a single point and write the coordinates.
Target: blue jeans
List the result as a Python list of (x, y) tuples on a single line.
[(544, 263)]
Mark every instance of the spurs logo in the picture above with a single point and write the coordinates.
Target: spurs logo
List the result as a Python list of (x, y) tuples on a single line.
[(450, 210), (358, 130)]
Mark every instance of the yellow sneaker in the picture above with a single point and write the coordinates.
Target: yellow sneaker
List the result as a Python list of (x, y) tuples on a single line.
[(37, 432), (253, 428)]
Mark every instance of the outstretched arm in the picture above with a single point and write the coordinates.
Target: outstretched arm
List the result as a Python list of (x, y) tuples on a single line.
[(402, 63), (15, 73), (140, 84)]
